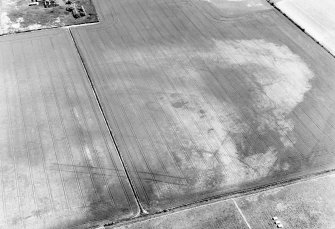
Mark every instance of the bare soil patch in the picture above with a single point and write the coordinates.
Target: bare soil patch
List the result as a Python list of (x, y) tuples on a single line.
[(27, 15)]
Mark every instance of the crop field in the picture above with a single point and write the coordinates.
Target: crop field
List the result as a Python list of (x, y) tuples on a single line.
[(162, 105), (222, 214), (315, 18), (309, 204), (204, 103), (59, 167)]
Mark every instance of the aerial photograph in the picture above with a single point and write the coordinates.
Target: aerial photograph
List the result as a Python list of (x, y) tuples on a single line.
[(167, 114)]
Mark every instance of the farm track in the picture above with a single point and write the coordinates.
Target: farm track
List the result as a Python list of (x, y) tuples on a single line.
[(159, 106)]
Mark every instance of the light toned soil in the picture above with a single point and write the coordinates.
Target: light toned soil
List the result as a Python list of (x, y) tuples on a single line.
[(307, 205), (223, 214), (17, 16), (207, 107), (315, 17), (59, 167), (201, 103)]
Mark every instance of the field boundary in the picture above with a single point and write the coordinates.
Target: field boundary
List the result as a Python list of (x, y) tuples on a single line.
[(273, 4), (142, 211), (235, 194)]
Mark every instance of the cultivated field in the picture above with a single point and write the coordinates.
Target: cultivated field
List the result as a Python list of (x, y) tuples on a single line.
[(59, 167), (307, 205), (205, 103), (179, 101), (223, 214), (315, 17)]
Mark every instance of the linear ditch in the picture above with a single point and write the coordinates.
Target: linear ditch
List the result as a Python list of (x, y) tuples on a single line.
[(142, 211)]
